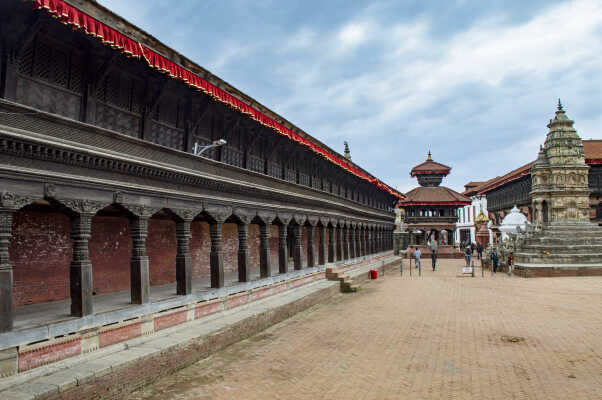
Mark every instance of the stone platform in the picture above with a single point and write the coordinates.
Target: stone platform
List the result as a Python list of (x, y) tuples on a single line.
[(127, 353), (561, 249)]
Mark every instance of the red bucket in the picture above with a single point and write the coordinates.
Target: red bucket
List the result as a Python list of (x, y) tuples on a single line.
[(373, 274)]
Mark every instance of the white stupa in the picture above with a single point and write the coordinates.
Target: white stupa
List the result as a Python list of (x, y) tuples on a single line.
[(511, 221)]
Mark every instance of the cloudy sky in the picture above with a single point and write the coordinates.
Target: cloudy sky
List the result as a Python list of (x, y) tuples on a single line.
[(474, 81)]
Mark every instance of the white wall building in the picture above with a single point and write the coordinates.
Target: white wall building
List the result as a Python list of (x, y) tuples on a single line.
[(465, 230)]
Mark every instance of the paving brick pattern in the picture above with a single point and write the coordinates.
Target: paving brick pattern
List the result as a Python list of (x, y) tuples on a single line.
[(441, 336)]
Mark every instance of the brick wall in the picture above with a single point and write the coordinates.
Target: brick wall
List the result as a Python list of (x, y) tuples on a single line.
[(110, 251), (41, 253), (161, 250)]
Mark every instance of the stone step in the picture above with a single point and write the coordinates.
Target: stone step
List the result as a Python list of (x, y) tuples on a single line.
[(556, 265), (535, 258), (597, 233), (562, 248), (567, 241)]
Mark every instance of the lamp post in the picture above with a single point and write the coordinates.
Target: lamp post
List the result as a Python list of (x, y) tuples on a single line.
[(197, 150)]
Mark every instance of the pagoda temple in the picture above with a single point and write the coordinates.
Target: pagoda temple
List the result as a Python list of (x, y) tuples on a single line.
[(431, 210)]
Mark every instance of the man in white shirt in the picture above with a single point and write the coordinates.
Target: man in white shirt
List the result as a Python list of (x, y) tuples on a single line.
[(417, 253)]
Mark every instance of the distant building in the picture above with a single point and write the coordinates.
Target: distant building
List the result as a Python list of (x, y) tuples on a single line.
[(431, 210), (465, 232)]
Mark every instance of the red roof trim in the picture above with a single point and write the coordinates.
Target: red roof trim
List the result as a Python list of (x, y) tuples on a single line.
[(507, 180), (593, 161), (77, 19)]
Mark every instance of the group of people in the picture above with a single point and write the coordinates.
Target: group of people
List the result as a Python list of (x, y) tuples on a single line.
[(469, 250), (434, 250)]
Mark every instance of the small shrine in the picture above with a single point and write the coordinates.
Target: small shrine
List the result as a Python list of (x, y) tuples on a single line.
[(431, 210)]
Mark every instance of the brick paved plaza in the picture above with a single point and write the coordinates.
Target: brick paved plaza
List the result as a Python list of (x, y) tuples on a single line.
[(439, 336)]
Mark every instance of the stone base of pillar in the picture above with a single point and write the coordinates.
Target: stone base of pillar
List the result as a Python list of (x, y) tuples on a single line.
[(183, 275), (81, 288), (6, 300), (139, 280), (401, 241)]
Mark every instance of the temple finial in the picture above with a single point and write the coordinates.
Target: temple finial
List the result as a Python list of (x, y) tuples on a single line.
[(428, 158), (560, 106), (347, 154)]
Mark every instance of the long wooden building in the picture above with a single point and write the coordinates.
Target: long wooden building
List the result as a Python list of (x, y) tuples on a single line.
[(102, 196)]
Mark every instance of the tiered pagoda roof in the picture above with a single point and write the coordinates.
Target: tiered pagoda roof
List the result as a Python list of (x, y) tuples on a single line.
[(430, 174)]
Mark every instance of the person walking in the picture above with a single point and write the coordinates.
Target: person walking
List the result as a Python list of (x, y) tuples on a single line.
[(467, 255), (417, 254), (495, 260), (479, 251), (434, 249)]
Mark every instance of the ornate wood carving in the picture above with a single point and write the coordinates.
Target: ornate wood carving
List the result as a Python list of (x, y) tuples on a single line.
[(187, 214), (12, 201), (218, 212), (83, 206)]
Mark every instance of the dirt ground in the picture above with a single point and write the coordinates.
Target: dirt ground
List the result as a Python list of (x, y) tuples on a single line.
[(439, 336)]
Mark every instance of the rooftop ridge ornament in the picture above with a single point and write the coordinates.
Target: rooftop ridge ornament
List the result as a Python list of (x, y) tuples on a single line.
[(560, 106), (428, 158), (347, 153)]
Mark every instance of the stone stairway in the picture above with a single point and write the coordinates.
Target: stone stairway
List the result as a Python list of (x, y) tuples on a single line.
[(346, 283), (574, 248)]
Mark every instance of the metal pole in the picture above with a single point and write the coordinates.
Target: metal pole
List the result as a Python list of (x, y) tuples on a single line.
[(482, 270), (401, 266), (383, 267), (472, 268), (410, 266)]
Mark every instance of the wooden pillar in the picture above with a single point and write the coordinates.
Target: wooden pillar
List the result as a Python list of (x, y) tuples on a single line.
[(282, 249), (265, 268), (352, 246), (331, 244), (183, 263), (80, 271), (6, 272), (339, 243), (346, 242), (297, 247), (139, 264), (311, 261), (216, 256), (321, 245), (243, 252)]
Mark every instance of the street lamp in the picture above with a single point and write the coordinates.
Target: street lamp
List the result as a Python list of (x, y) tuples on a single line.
[(197, 150)]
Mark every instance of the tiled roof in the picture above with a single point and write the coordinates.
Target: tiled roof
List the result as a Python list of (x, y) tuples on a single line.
[(473, 188), (593, 155), (428, 166), (436, 194), (593, 149)]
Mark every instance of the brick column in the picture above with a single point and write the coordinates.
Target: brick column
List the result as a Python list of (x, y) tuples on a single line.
[(243, 252), (265, 268), (297, 246), (310, 246), (80, 271), (331, 243), (183, 267), (321, 245), (216, 256), (139, 264), (6, 272)]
